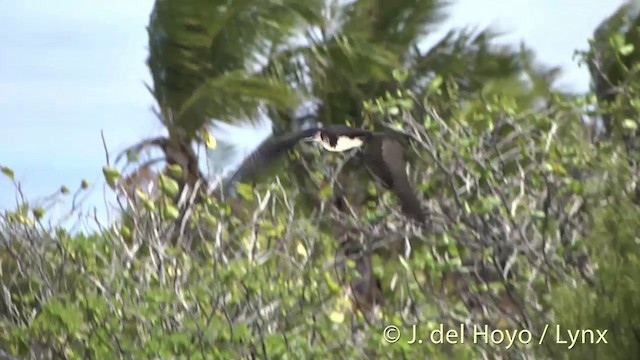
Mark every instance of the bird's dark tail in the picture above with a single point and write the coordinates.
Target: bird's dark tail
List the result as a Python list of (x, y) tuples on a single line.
[(410, 203)]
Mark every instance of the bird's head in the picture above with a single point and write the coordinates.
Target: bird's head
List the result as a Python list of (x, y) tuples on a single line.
[(316, 137), (333, 142)]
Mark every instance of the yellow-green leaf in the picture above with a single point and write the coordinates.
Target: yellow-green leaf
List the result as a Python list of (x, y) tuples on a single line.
[(629, 124), (22, 219), (559, 169), (332, 284), (38, 213), (626, 49), (170, 212), (209, 140), (149, 205), (325, 192), (245, 190), (5, 170), (125, 232), (210, 219), (400, 75), (169, 186), (301, 250), (406, 104), (111, 175), (141, 195), (435, 83), (175, 170), (337, 317)]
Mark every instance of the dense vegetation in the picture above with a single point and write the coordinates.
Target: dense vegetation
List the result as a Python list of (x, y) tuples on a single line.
[(534, 216)]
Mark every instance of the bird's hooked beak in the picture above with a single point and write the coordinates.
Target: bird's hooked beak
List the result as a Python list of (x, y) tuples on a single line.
[(313, 138)]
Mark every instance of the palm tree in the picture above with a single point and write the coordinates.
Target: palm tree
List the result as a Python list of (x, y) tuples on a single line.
[(203, 55)]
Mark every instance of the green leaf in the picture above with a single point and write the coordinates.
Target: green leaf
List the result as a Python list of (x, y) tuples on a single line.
[(325, 192), (38, 213), (170, 212), (300, 249), (245, 190), (559, 169), (453, 249), (455, 262), (236, 90), (446, 239), (175, 170), (209, 140), (111, 175), (22, 219), (626, 49), (629, 124), (429, 123), (350, 263), (331, 283), (336, 317), (406, 104), (400, 75), (141, 195), (8, 172), (148, 204), (435, 84), (125, 232), (168, 185)]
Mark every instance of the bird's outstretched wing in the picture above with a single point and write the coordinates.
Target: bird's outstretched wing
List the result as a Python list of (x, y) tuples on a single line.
[(387, 157), (266, 153), (348, 130)]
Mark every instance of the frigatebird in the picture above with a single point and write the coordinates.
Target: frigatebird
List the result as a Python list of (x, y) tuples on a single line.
[(382, 152)]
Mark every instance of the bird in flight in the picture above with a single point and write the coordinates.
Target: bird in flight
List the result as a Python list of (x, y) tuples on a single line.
[(382, 152)]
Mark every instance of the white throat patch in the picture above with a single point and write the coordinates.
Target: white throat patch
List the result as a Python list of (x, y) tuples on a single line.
[(344, 143)]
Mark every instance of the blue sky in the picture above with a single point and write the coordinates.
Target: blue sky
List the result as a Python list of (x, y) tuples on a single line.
[(70, 69)]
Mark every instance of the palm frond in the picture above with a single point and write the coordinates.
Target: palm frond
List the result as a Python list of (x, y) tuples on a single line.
[(234, 95), (193, 42), (396, 24), (352, 57), (467, 55)]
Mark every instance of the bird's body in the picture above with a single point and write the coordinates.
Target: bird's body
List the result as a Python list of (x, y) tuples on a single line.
[(343, 144), (383, 156), (339, 138)]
